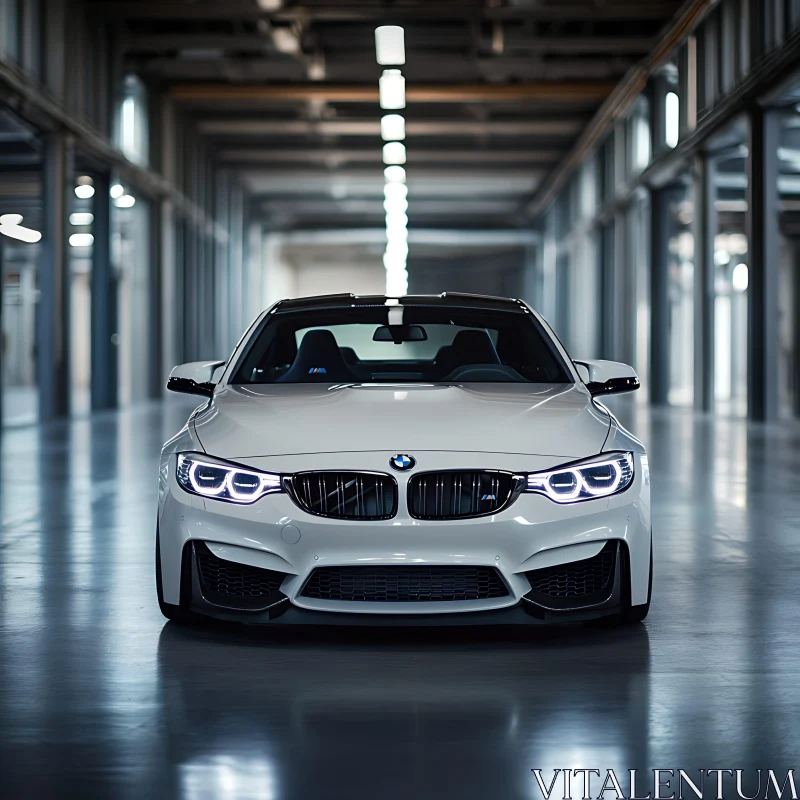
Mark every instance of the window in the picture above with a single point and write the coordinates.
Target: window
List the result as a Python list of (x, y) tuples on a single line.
[(709, 62), (729, 46), (672, 91), (639, 136), (431, 345), (672, 119), (9, 29), (132, 124), (609, 171)]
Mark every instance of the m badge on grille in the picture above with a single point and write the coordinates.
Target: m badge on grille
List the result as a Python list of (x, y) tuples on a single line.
[(402, 462)]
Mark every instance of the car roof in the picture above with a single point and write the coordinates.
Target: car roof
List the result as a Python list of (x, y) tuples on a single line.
[(444, 300)]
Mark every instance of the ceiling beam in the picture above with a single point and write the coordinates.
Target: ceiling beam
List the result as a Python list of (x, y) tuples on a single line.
[(336, 158), (564, 91), (418, 236), (283, 180), (585, 10), (21, 186), (256, 43), (233, 68), (419, 212), (269, 127), (360, 204), (14, 137)]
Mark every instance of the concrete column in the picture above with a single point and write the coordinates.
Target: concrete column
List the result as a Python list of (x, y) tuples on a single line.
[(763, 234), (753, 20), (52, 319), (190, 269), (156, 372), (531, 283), (705, 228), (103, 302), (170, 314), (222, 306), (659, 295), (236, 263), (2, 338), (608, 281), (180, 309), (254, 276), (169, 240)]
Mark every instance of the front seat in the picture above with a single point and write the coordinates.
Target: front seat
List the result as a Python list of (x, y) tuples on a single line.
[(318, 359), (469, 347), (353, 363)]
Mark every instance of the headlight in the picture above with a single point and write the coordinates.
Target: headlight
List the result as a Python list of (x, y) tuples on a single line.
[(208, 477), (602, 476)]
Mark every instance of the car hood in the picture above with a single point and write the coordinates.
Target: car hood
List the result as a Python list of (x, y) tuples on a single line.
[(290, 419)]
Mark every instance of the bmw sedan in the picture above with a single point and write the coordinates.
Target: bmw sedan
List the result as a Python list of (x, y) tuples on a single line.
[(421, 460)]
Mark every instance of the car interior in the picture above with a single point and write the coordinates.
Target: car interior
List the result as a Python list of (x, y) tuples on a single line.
[(473, 354), (320, 358)]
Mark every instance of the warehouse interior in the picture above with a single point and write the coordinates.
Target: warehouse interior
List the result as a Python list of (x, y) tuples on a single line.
[(170, 168)]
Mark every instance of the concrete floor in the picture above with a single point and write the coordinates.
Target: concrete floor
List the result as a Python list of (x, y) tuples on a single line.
[(99, 698)]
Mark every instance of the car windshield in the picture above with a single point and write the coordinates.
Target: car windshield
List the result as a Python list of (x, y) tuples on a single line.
[(380, 344)]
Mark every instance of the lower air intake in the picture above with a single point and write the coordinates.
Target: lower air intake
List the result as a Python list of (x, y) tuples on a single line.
[(589, 579), (401, 584), (228, 583)]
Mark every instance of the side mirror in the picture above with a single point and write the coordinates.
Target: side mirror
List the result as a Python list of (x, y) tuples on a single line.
[(196, 377), (607, 377)]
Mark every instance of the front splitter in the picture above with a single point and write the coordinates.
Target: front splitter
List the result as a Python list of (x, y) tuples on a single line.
[(523, 613)]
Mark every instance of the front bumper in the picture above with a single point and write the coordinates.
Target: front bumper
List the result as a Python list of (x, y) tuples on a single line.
[(277, 609), (533, 533)]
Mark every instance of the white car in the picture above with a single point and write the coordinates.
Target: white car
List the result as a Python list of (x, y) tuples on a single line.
[(421, 460)]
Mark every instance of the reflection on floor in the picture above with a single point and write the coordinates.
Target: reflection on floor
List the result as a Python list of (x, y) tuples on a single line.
[(99, 698), (20, 405)]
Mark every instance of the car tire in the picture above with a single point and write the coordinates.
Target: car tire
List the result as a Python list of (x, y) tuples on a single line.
[(171, 612), (633, 614)]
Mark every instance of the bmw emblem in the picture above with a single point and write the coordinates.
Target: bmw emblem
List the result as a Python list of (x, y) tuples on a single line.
[(402, 462)]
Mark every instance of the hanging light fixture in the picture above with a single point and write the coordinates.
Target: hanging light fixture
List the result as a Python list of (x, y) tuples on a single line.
[(81, 240), (395, 174), (10, 226), (392, 89), (390, 50), (390, 46), (393, 128), (394, 153)]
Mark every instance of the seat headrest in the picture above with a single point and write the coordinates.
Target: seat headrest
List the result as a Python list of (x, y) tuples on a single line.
[(318, 359), (474, 347), (349, 355), (318, 352)]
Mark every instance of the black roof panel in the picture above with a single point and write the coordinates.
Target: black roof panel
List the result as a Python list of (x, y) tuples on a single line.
[(452, 299), (462, 299)]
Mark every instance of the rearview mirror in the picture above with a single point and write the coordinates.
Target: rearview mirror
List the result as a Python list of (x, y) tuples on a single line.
[(196, 377), (607, 377), (400, 333)]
